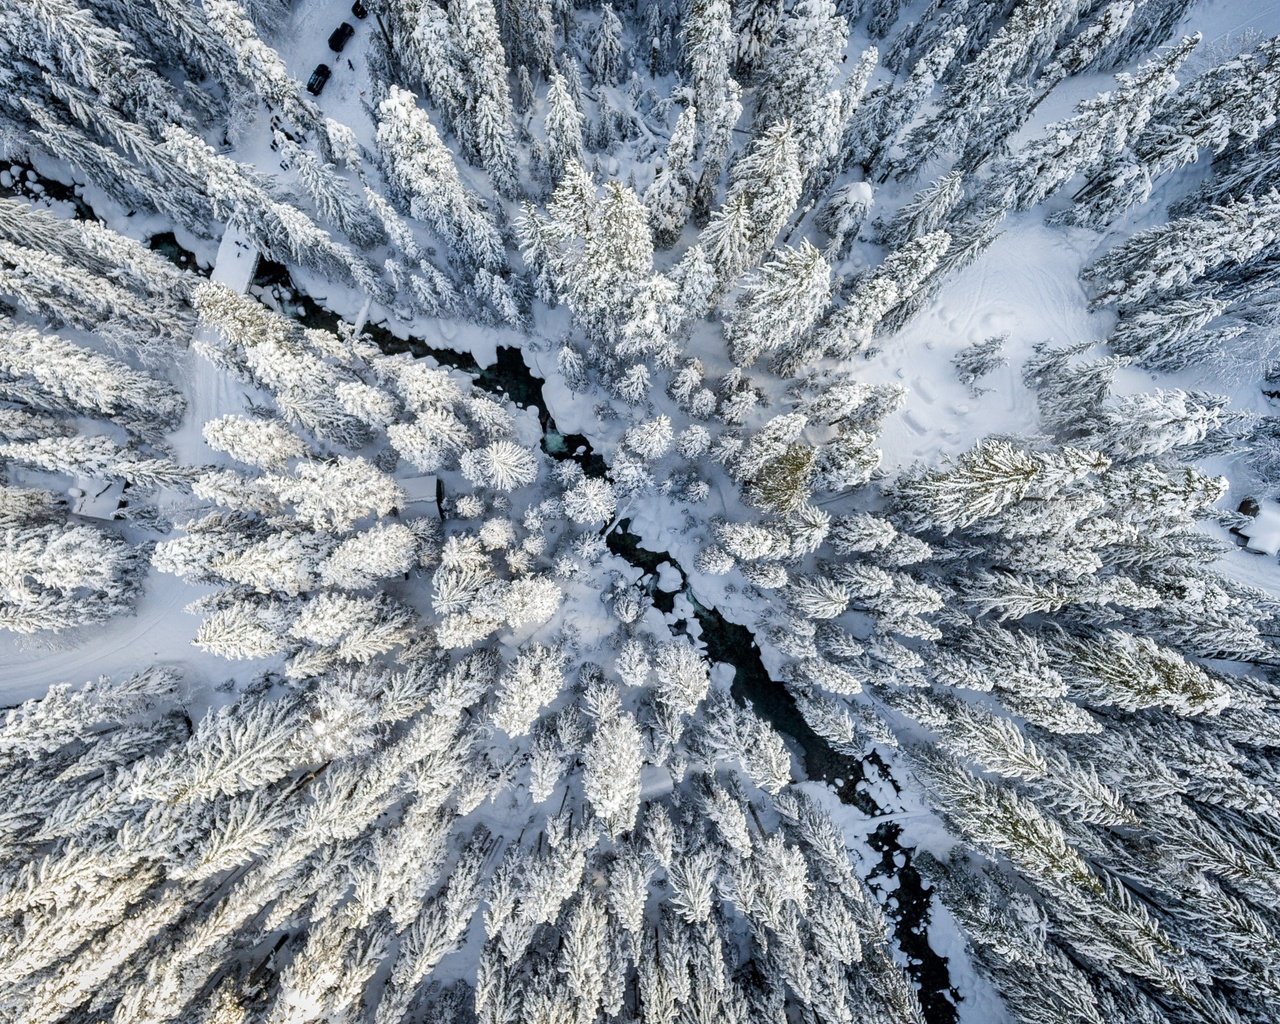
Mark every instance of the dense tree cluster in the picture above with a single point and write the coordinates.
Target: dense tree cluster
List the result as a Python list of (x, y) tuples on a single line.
[(473, 760)]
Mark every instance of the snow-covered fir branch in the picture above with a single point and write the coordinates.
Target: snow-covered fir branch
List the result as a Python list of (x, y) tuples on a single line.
[(702, 510)]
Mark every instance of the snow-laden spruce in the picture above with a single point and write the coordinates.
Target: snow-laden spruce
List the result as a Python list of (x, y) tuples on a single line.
[(453, 739)]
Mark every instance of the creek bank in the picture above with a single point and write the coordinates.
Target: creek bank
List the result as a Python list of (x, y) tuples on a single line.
[(907, 897)]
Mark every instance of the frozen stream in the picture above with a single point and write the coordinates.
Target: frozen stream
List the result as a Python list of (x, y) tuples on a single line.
[(902, 891), (894, 875)]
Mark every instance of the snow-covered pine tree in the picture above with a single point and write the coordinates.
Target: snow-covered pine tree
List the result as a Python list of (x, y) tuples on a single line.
[(488, 114), (880, 120), (259, 65), (336, 202), (762, 194), (669, 195), (799, 71), (266, 444), (849, 329), (780, 304), (1023, 42), (58, 575), (606, 59), (49, 373), (1102, 127), (424, 174), (1227, 106), (563, 124), (95, 248), (1183, 251)]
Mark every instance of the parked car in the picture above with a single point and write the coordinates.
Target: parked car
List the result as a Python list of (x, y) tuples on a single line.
[(359, 10), (341, 36), (316, 83)]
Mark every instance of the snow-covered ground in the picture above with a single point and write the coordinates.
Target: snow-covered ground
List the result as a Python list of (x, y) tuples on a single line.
[(1025, 286)]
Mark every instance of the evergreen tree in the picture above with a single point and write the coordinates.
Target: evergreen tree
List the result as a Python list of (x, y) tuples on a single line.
[(756, 25), (1089, 48), (49, 373), (1028, 37), (281, 230), (606, 54), (421, 168), (780, 304), (334, 201), (50, 287), (879, 121), (563, 127), (843, 214), (1151, 25), (715, 151), (502, 465), (927, 210), (611, 775), (1223, 107), (1169, 257), (57, 576), (1103, 126), (709, 46), (591, 502), (71, 41), (763, 193), (267, 444), (488, 112), (849, 328), (799, 72), (94, 248), (260, 65), (668, 197), (335, 495)]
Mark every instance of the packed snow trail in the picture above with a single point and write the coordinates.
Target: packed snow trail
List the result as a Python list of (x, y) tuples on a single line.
[(211, 393)]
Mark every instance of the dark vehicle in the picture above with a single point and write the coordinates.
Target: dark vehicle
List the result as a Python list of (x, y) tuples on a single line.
[(359, 10), (341, 36), (316, 83)]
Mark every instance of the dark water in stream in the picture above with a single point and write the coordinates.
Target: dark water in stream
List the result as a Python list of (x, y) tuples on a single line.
[(24, 182)]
